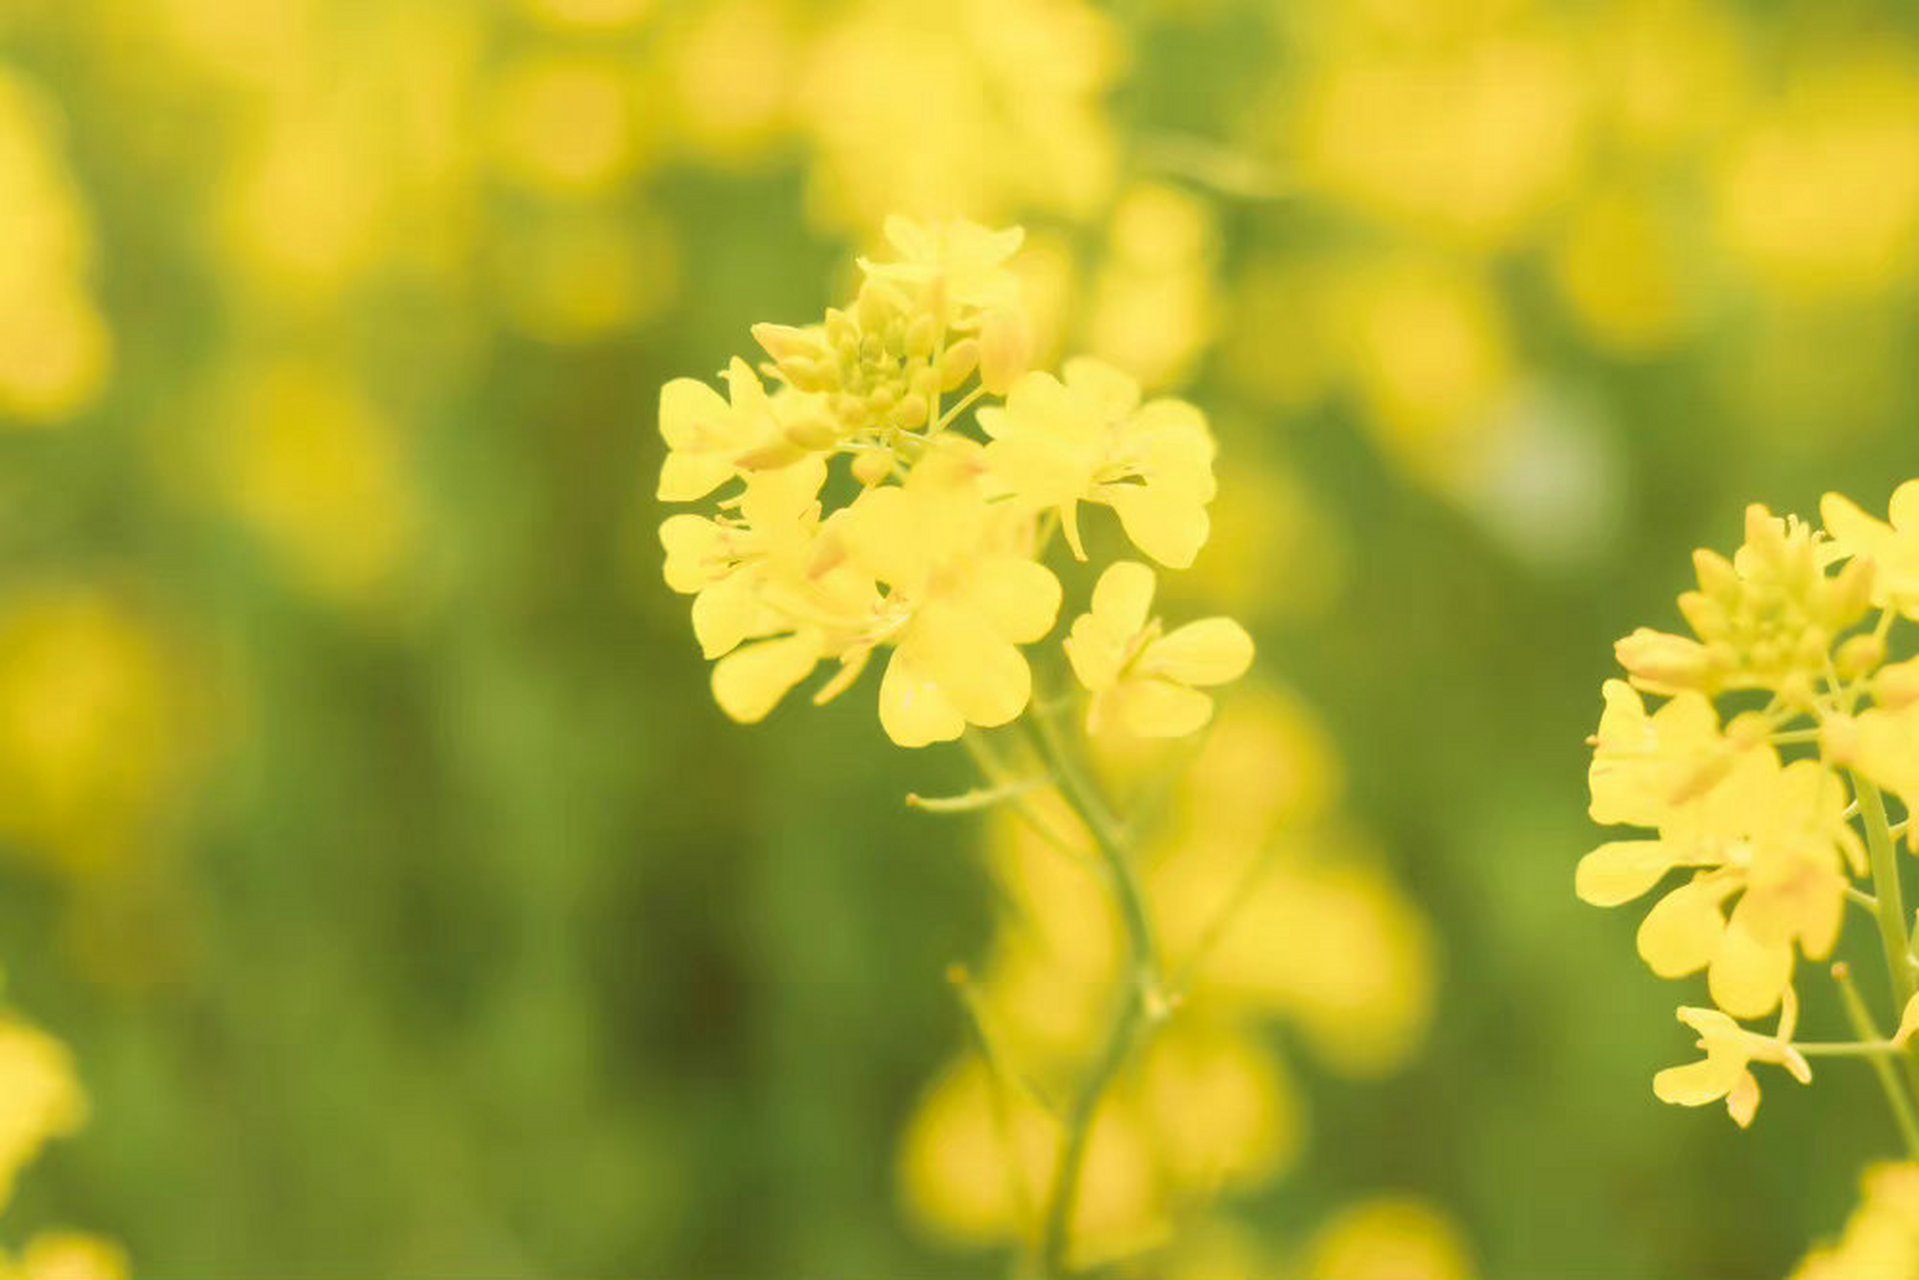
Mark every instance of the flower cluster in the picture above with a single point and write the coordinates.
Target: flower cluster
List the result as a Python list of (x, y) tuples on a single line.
[(931, 543), (1760, 787)]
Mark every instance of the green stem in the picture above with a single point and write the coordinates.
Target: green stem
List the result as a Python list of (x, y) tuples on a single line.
[(1864, 1027), (1143, 1002), (1891, 908)]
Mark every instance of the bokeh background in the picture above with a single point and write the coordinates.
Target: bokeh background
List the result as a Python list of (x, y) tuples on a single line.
[(368, 828)]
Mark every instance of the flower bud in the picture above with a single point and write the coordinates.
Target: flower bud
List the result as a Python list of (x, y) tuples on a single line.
[(872, 467), (1665, 663), (1859, 656)]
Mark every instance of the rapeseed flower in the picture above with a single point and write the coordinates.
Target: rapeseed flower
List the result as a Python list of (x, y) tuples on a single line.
[(1726, 1071), (1142, 678)]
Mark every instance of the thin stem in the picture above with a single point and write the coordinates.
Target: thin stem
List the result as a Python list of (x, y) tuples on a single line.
[(1859, 1049), (1862, 1024), (951, 416), (1143, 1002), (1886, 888), (998, 776), (1857, 895)]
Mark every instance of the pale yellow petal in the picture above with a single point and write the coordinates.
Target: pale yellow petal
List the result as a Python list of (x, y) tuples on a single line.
[(1208, 652), (748, 683), (983, 676), (1171, 528), (688, 477), (1020, 597), (688, 410), (727, 614), (1123, 597), (1742, 1103), (1681, 933), (1148, 708), (914, 710), (1698, 1084), (1618, 872), (1747, 975), (1096, 651)]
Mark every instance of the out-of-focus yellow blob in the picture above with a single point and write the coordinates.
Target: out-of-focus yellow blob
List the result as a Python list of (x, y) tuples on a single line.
[(257, 43), (318, 474), (66, 1255), (305, 208), (54, 346), (1623, 273), (40, 1097), (730, 74), (1673, 75), (1821, 197), (1426, 349), (1269, 515), (1154, 303), (961, 107), (605, 15), (1277, 343), (93, 727), (566, 124), (978, 1159), (1473, 144), (1222, 1113), (1388, 1239), (581, 275), (1882, 1236)]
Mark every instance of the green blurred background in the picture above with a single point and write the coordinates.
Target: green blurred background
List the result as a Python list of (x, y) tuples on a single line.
[(374, 839)]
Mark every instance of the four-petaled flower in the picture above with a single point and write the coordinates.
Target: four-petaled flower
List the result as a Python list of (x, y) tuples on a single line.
[(1143, 678)]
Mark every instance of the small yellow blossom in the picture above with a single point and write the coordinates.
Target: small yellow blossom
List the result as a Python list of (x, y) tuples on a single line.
[(711, 439), (1644, 766), (1774, 836), (66, 1255), (1143, 679), (1726, 1070), (960, 599), (1766, 619), (1892, 548), (1086, 438)]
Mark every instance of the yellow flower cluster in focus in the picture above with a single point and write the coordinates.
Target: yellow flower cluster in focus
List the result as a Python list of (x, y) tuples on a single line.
[(930, 542), (1759, 782)]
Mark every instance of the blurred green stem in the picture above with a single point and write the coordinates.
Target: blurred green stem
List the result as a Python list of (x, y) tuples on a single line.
[(1886, 889), (1143, 1003)]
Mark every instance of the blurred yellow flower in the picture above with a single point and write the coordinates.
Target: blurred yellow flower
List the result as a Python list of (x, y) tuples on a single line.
[(1146, 681), (1881, 1238), (307, 461), (94, 737), (55, 350), (1388, 1238), (566, 124), (40, 1097), (66, 1255)]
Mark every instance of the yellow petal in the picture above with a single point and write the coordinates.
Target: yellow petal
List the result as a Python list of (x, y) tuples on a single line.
[(914, 710), (1908, 1023), (1123, 597), (1148, 708), (1856, 532), (1681, 933), (1905, 507), (1699, 1083), (748, 683), (1618, 872), (1019, 597), (984, 678), (1114, 392), (1742, 1103), (727, 614), (1169, 527), (688, 411), (688, 477), (1747, 976), (1097, 652), (693, 548), (1208, 652)]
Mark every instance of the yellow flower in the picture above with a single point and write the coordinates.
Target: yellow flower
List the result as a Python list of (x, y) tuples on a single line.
[(40, 1097), (1886, 749), (962, 595), (1056, 444), (1726, 1070), (1390, 1238), (709, 439), (1881, 1241), (1776, 837), (1893, 548), (1766, 619), (1644, 766), (1142, 680)]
